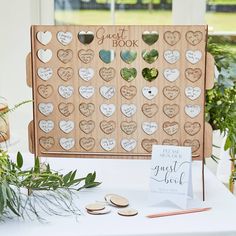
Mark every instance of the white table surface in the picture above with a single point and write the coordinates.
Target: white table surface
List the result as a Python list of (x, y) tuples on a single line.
[(130, 178)]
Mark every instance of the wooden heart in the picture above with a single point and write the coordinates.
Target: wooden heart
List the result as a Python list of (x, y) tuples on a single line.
[(128, 56), (64, 37), (66, 126), (45, 108), (172, 37), (46, 125), (128, 109), (149, 110), (171, 92), (171, 127), (128, 144), (192, 128), (128, 74), (107, 109), (86, 37), (108, 144), (45, 91), (86, 73), (193, 56), (107, 56), (194, 38), (86, 56), (171, 110), (107, 74), (192, 92), (128, 127), (150, 74), (149, 127), (86, 91), (173, 142), (107, 91), (149, 92), (193, 74), (150, 37), (87, 126), (171, 56), (128, 92), (44, 37), (44, 55), (66, 109), (65, 56), (67, 143), (87, 143), (194, 144), (147, 144), (45, 73), (150, 56), (86, 109), (65, 73), (192, 110), (46, 142), (108, 127), (171, 74), (65, 91)]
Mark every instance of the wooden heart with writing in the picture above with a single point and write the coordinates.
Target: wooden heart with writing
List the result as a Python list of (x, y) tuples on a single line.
[(149, 110), (45, 91), (147, 144), (171, 110), (172, 37), (173, 142), (46, 142), (192, 128), (171, 127), (66, 109), (194, 144), (86, 109), (194, 37), (171, 92), (128, 92), (87, 126), (128, 127), (86, 56), (65, 56), (108, 127), (193, 74), (87, 143), (65, 73)]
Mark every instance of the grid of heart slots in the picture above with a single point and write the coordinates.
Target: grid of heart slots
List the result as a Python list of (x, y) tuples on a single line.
[(118, 89)]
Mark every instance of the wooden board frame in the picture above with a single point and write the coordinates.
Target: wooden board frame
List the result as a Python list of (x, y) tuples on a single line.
[(118, 38)]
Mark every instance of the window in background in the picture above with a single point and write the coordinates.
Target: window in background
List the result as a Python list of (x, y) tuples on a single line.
[(132, 12)]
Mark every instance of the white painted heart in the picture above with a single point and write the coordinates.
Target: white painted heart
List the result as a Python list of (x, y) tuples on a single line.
[(128, 109), (67, 143), (149, 127), (86, 91), (44, 37), (171, 56), (86, 73), (192, 110), (107, 109), (107, 91), (45, 73), (171, 74), (46, 125), (149, 92), (66, 126), (64, 37), (128, 144), (46, 108), (193, 56), (65, 91), (44, 55), (108, 143), (192, 92)]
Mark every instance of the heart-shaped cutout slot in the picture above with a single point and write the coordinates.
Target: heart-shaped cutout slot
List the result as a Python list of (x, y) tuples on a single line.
[(150, 74), (107, 56), (86, 37), (128, 74), (128, 56), (150, 37), (150, 56)]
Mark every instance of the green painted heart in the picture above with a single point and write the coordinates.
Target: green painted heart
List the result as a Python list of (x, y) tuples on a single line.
[(128, 74), (150, 74), (107, 56), (150, 56), (150, 37), (128, 56)]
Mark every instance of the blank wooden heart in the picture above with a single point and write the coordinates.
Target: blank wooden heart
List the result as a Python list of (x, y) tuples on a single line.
[(45, 91), (65, 73), (148, 143), (44, 55), (87, 143), (46, 142), (128, 127), (87, 126), (108, 127), (45, 73), (44, 37), (65, 56)]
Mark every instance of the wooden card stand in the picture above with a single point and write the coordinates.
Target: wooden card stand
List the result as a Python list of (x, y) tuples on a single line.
[(114, 91)]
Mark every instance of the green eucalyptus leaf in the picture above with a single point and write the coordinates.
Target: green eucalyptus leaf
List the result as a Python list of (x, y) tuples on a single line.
[(19, 160)]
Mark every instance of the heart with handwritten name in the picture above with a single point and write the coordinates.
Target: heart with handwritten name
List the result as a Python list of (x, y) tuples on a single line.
[(45, 73), (170, 127), (171, 74), (87, 126), (107, 127), (193, 56), (65, 56), (128, 92), (86, 91), (45, 108), (171, 110), (193, 74), (107, 74), (171, 56), (194, 37), (128, 144), (108, 143), (172, 37), (86, 56), (66, 109), (46, 142), (171, 92), (192, 110), (149, 110), (107, 91), (64, 38), (107, 109), (67, 143), (149, 92), (65, 91), (86, 109), (45, 91), (87, 143), (128, 109), (128, 127), (46, 125), (192, 128), (148, 143), (192, 92), (86, 73), (194, 144), (149, 127), (65, 73), (66, 126)]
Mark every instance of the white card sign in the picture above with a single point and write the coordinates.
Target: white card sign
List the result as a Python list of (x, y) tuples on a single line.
[(171, 175)]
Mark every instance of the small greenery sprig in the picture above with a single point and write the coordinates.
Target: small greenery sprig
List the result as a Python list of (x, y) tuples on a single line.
[(49, 191)]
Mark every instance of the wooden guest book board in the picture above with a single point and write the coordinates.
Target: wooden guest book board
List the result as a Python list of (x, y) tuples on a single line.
[(114, 91)]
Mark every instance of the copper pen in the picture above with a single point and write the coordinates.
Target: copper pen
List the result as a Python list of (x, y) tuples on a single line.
[(179, 212)]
